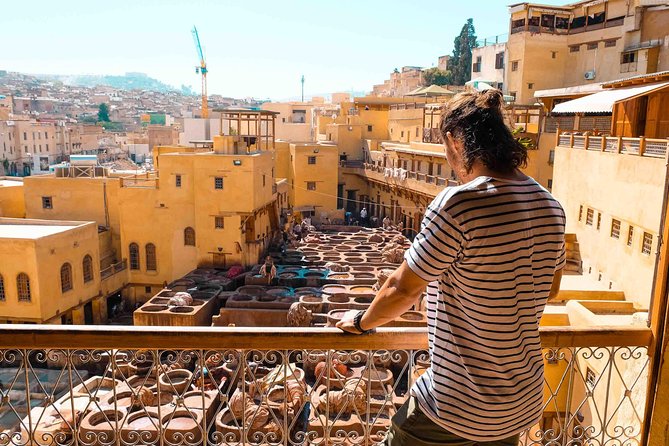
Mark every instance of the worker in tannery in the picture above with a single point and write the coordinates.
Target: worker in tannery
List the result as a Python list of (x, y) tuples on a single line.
[(490, 254)]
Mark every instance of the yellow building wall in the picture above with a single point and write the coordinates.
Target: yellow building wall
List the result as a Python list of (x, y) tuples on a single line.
[(625, 187), (78, 199), (324, 173), (42, 259), (12, 201), (402, 125)]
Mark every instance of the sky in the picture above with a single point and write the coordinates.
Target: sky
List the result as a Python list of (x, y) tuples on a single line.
[(253, 48)]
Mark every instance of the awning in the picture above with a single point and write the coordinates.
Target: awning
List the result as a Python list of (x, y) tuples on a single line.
[(604, 101)]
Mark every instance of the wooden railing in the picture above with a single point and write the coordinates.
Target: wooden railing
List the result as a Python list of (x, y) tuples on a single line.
[(418, 176), (654, 148), (200, 385)]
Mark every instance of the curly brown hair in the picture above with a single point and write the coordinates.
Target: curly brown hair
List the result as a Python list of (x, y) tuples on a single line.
[(477, 119)]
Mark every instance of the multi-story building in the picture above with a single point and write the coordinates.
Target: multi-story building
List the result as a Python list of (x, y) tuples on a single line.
[(489, 62), (400, 83), (587, 42), (50, 272), (295, 120)]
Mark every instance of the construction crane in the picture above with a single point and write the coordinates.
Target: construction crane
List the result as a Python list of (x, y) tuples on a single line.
[(202, 69)]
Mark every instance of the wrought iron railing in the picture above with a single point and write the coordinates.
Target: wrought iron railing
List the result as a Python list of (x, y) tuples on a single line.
[(113, 269), (159, 385)]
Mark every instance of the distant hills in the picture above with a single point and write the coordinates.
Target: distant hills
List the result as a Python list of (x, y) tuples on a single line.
[(128, 81)]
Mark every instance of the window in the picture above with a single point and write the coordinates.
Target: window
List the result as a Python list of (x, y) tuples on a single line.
[(147, 289), (2, 289), (218, 183), (417, 132), (593, 45), (65, 277), (477, 65), (609, 43), (647, 243), (150, 249), (189, 236), (219, 223), (47, 203), (402, 134), (589, 217), (87, 267), (499, 60), (628, 57), (550, 184), (599, 220), (553, 54), (630, 236), (23, 287), (25, 136), (530, 85), (133, 254), (615, 228), (574, 48), (551, 157), (263, 181), (177, 180), (312, 160), (311, 185), (47, 147), (514, 65), (369, 128), (580, 213)]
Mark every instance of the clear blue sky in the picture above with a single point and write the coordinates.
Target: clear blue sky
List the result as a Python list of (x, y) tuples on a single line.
[(256, 48)]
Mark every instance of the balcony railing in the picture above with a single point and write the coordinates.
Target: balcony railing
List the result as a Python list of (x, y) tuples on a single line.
[(100, 385), (418, 176), (654, 148), (113, 269)]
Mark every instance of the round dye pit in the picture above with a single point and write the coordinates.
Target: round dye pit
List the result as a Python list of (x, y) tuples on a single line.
[(166, 293), (105, 417), (141, 421), (181, 310), (334, 289), (197, 303), (252, 290), (362, 289), (287, 275), (159, 301), (154, 308), (412, 316)]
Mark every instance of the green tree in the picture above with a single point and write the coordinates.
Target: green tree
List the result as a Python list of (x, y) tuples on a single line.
[(435, 76), (103, 113), (461, 62)]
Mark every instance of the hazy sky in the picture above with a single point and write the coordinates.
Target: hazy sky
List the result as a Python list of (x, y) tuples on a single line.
[(256, 48)]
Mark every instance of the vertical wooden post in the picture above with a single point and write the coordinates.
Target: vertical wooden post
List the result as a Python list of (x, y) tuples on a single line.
[(571, 140), (603, 144), (642, 145), (619, 149), (586, 141)]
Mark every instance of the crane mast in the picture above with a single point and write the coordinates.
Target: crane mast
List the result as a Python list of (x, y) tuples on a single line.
[(202, 69)]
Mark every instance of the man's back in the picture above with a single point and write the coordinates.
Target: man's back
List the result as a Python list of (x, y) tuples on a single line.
[(491, 248)]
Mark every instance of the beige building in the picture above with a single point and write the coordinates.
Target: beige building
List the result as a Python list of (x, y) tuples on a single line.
[(583, 43), (400, 83), (488, 63), (49, 272), (295, 121)]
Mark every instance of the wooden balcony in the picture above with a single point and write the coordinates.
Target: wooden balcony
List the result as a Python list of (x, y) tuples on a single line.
[(646, 147)]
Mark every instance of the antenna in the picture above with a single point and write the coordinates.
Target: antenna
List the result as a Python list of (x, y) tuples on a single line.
[(302, 87)]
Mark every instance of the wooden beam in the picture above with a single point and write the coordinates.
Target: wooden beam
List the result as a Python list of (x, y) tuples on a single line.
[(271, 338)]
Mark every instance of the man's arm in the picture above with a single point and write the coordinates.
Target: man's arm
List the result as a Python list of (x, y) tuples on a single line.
[(397, 295)]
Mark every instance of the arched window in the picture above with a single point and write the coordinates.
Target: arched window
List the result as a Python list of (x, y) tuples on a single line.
[(23, 287), (151, 257), (189, 236), (66, 277), (134, 255), (87, 266), (2, 288)]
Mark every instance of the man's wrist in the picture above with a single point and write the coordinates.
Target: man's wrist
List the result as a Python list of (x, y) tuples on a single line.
[(357, 322)]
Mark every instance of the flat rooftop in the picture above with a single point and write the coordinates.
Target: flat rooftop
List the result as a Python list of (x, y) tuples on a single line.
[(10, 183), (31, 231)]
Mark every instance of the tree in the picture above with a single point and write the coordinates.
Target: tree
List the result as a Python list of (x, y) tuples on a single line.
[(461, 62), (103, 113), (435, 76)]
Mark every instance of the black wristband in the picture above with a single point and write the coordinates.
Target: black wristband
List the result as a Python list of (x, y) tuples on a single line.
[(356, 322)]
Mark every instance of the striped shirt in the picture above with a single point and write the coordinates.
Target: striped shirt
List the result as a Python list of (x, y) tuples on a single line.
[(489, 249)]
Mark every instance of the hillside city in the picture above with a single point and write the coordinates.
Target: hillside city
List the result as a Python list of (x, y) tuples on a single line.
[(173, 262)]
